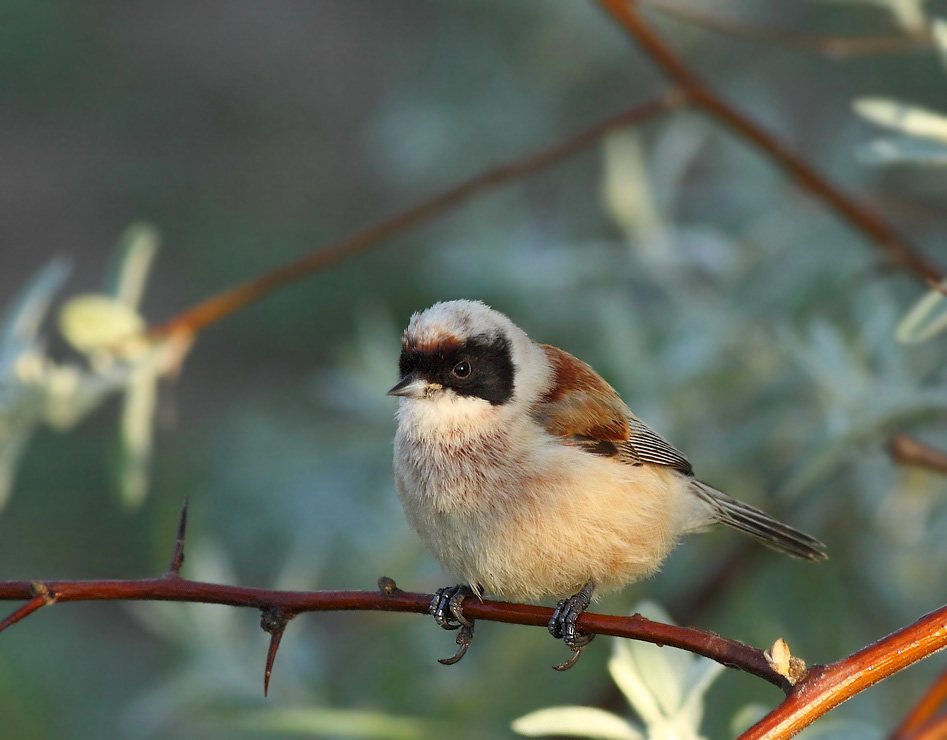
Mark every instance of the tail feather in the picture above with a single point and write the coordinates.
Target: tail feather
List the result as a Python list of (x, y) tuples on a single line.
[(759, 524)]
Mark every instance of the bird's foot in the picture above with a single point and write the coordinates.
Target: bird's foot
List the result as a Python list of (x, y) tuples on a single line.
[(447, 608), (562, 624)]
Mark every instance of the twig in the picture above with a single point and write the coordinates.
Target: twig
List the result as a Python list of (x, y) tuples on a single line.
[(34, 604), (824, 688), (815, 693), (728, 652), (831, 46), (217, 307), (905, 450), (922, 712), (865, 220), (279, 607), (934, 729), (828, 686)]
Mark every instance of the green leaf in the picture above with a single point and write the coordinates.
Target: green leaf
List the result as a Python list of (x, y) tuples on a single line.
[(907, 14), (703, 672), (129, 267), (939, 31), (25, 313), (576, 722), (98, 322), (910, 119), (901, 149), (922, 321), (665, 686), (624, 670), (137, 424), (337, 723), (627, 193)]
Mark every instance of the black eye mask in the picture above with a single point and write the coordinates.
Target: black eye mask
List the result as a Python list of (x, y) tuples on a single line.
[(488, 373)]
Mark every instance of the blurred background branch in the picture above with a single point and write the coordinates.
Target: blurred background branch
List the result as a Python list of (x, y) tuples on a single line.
[(867, 221), (926, 718), (908, 451), (836, 47), (217, 307)]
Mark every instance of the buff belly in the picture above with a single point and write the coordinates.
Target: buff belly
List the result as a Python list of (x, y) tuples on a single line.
[(523, 534)]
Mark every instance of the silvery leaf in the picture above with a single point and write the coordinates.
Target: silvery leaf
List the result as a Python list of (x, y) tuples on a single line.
[(908, 14), (576, 722), (317, 721), (25, 313), (910, 119), (129, 267), (904, 150), (923, 321)]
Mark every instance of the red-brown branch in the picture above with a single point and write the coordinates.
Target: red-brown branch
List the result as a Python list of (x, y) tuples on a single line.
[(905, 450), (34, 604), (828, 686), (921, 714), (837, 47), (821, 690), (817, 692), (933, 729), (868, 222), (172, 588), (223, 304)]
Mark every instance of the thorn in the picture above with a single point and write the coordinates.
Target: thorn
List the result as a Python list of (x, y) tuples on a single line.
[(388, 586), (177, 557), (273, 620)]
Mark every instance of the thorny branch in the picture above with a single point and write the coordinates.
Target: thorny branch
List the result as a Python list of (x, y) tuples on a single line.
[(279, 607), (814, 693)]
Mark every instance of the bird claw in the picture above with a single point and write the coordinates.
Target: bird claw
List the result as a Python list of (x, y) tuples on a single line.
[(464, 638), (447, 608), (566, 665), (563, 621)]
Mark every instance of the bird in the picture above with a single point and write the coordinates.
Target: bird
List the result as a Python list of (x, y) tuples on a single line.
[(528, 478)]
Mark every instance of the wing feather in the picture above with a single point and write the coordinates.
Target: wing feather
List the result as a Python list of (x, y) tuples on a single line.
[(586, 411)]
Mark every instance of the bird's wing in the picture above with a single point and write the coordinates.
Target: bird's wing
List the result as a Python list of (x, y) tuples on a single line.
[(585, 411)]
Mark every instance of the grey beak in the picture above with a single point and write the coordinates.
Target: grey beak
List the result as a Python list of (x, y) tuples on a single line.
[(410, 386)]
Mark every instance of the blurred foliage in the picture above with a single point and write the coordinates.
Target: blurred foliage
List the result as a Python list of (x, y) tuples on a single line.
[(107, 329), (742, 321), (665, 687)]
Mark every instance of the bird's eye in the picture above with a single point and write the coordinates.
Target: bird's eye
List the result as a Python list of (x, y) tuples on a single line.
[(461, 369)]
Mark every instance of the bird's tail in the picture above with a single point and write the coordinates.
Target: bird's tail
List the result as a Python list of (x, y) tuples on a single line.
[(761, 525)]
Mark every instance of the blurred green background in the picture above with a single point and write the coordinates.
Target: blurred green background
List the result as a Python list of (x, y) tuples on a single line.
[(735, 314)]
